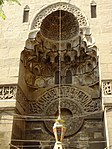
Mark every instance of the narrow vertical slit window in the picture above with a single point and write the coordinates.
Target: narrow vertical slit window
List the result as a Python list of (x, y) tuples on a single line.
[(93, 9), (68, 77), (26, 13), (57, 77)]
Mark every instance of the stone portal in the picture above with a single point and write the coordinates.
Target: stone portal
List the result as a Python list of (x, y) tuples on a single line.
[(60, 60)]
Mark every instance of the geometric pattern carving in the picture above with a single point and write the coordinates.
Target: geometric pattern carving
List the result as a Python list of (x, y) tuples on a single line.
[(107, 87), (8, 92), (82, 20)]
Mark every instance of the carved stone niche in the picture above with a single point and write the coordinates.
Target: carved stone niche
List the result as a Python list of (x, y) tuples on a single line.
[(56, 23)]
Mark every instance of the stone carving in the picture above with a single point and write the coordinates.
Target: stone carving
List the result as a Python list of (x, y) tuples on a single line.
[(8, 92), (107, 87), (68, 92), (35, 81), (43, 56), (74, 102), (69, 29), (71, 113), (82, 20), (42, 62)]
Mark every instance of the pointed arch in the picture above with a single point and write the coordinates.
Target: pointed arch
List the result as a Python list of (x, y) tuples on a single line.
[(45, 11)]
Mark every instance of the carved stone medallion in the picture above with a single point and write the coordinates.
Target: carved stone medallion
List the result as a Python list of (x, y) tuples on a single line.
[(71, 113)]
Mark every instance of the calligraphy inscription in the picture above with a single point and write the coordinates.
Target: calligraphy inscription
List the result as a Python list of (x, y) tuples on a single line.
[(70, 92)]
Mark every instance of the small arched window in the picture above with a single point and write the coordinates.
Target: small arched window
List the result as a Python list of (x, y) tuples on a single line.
[(57, 77), (26, 13), (68, 77), (93, 9)]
